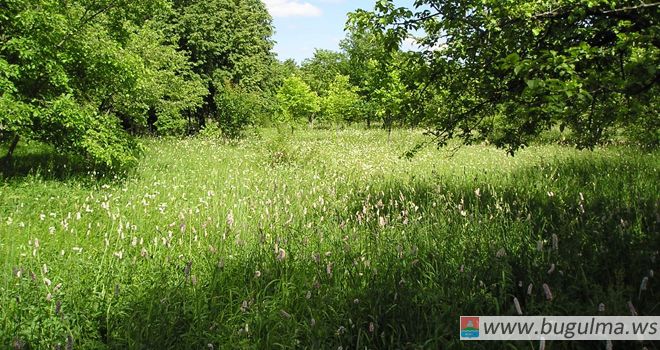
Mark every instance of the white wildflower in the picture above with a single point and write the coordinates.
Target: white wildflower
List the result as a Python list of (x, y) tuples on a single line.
[(516, 303), (631, 307), (547, 291)]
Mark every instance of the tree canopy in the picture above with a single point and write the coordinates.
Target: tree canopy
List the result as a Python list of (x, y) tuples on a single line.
[(509, 70), (84, 76)]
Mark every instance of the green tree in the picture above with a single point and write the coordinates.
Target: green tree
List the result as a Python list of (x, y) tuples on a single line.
[(342, 102), (320, 70), (229, 43), (297, 102), (72, 75), (513, 69), (389, 98)]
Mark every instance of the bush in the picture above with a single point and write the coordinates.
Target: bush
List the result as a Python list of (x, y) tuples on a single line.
[(236, 110)]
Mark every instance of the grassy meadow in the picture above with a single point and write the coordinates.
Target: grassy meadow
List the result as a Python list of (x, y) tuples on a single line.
[(322, 239)]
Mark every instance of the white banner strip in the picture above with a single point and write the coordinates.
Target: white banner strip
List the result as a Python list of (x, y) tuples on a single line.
[(560, 327)]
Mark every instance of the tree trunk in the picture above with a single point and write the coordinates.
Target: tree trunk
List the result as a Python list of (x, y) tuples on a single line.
[(389, 133), (12, 148)]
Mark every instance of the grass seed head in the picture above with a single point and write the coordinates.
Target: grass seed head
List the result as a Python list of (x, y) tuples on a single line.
[(547, 291)]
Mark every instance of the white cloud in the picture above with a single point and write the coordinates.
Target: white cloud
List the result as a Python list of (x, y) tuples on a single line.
[(291, 8)]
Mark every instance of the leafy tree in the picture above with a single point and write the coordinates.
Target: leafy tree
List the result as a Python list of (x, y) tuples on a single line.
[(73, 74), (389, 98), (342, 102), (297, 101), (320, 70), (166, 89), (361, 46), (229, 42), (513, 69)]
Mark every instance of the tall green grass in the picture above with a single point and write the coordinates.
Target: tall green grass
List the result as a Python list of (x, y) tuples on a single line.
[(320, 239)]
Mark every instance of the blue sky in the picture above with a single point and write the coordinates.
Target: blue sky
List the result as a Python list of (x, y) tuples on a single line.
[(303, 25)]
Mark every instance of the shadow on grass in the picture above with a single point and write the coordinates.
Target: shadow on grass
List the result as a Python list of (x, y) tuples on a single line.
[(42, 161)]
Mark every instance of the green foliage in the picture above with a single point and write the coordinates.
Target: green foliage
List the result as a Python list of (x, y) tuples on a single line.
[(511, 70), (320, 71), (166, 85), (342, 102), (389, 96), (237, 110), (297, 101), (229, 43), (79, 75)]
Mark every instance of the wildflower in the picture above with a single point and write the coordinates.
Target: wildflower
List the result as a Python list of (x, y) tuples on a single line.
[(230, 219), (517, 305), (631, 307), (601, 307), (281, 255), (547, 291), (551, 194)]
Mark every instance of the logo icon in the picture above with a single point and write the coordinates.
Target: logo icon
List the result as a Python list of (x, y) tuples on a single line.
[(469, 327)]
